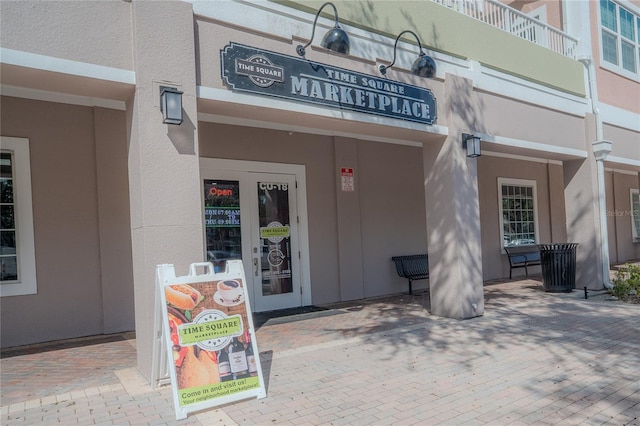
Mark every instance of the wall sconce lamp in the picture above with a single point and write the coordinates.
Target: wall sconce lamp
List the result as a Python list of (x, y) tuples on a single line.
[(423, 66), (171, 105), (472, 144), (336, 39)]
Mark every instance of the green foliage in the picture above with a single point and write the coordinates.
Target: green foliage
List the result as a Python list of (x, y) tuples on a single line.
[(626, 284)]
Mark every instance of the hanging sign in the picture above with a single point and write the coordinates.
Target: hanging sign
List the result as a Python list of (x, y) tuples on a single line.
[(248, 69), (209, 337)]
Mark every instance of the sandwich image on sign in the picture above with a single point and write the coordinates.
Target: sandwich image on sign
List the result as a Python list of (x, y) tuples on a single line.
[(183, 296), (194, 366)]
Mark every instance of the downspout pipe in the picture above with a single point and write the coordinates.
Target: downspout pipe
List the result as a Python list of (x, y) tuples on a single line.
[(601, 150)]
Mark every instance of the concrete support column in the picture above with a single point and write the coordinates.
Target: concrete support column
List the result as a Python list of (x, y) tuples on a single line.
[(601, 150), (453, 212), (583, 215), (164, 183)]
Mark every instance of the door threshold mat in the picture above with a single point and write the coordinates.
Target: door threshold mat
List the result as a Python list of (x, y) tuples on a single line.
[(282, 316)]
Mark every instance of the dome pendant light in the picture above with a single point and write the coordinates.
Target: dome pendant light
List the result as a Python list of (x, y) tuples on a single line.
[(335, 40)]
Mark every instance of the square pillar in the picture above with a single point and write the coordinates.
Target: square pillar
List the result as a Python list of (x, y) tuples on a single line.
[(583, 221), (164, 174), (453, 213), (581, 194)]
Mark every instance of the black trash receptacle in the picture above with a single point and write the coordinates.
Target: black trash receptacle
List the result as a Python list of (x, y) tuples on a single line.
[(558, 263)]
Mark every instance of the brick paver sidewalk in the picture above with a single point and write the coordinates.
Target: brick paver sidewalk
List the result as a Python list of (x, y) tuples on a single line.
[(533, 358)]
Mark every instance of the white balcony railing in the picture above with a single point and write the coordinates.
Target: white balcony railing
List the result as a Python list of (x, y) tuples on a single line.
[(515, 22)]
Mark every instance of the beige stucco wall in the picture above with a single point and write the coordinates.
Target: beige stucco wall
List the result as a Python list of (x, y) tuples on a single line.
[(95, 32), (625, 143), (82, 240), (393, 220), (498, 115), (112, 196)]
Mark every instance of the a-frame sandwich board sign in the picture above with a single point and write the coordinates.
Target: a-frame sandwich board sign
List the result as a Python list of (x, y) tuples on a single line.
[(209, 337)]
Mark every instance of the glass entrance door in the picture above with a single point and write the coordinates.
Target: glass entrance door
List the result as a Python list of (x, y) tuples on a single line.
[(253, 216), (275, 241)]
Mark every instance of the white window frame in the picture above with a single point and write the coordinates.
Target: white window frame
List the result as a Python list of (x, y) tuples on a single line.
[(618, 68), (635, 232), (26, 282), (524, 183)]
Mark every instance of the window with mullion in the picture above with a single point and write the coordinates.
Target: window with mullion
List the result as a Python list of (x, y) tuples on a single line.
[(8, 247), (609, 47), (17, 238), (628, 42), (635, 215), (628, 56), (608, 15), (517, 211), (620, 36)]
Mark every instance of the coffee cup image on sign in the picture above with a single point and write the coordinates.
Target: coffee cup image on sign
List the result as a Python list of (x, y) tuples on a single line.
[(228, 285), (229, 291)]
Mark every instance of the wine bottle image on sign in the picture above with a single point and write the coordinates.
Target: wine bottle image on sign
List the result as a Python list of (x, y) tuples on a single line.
[(238, 359), (251, 360), (224, 367)]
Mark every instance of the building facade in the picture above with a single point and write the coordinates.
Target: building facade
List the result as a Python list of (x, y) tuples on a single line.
[(315, 169)]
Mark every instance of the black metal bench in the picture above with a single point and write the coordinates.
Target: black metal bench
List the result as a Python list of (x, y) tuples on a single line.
[(522, 257), (413, 267)]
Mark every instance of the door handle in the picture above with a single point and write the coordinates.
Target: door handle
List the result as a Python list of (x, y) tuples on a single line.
[(255, 266)]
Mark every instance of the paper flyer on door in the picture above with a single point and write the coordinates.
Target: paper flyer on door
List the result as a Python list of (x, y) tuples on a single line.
[(210, 338)]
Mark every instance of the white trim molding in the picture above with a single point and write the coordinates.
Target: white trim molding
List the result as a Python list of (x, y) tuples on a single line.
[(63, 98), (65, 66), (620, 117), (622, 160), (25, 236), (536, 146), (521, 158)]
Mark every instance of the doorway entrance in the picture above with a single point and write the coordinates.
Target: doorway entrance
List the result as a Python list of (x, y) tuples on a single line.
[(252, 212)]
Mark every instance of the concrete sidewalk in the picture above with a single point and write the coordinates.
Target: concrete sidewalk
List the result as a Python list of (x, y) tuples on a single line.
[(533, 358)]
